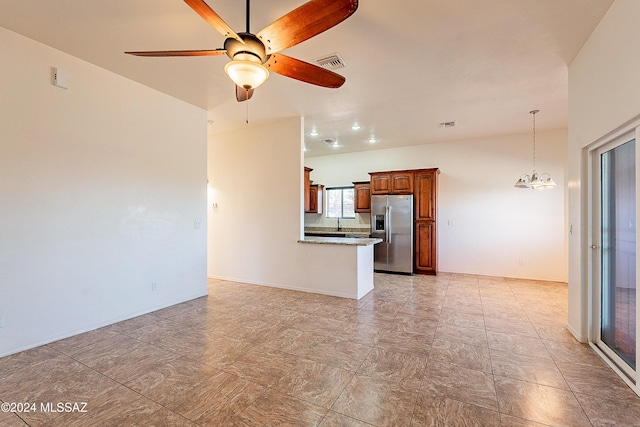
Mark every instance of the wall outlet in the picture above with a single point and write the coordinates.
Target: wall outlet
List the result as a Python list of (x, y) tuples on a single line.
[(154, 286), (197, 224), (520, 262)]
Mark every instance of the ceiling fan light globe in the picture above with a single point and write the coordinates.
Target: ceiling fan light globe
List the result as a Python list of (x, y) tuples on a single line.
[(246, 74)]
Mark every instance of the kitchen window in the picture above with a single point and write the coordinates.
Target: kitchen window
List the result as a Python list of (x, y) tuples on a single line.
[(340, 202)]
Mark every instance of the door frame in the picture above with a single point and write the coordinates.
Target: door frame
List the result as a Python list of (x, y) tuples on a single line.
[(625, 133)]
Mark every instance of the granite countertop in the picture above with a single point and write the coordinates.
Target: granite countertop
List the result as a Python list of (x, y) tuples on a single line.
[(352, 241)]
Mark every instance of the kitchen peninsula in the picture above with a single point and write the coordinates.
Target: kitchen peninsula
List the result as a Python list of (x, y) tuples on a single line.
[(347, 254)]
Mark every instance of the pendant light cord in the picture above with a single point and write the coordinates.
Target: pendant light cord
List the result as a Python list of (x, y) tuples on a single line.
[(534, 138)]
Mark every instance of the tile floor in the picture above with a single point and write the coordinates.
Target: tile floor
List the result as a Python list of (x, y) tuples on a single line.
[(451, 350)]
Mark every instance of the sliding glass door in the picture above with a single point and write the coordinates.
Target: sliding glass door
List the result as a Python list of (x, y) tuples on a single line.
[(616, 259)]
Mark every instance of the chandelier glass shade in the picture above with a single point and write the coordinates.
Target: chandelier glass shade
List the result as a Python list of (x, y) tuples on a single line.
[(535, 181)]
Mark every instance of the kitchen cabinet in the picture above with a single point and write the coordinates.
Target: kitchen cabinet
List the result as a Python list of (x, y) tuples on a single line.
[(425, 247), (425, 239), (423, 184), (362, 195), (380, 183), (396, 182), (315, 198), (307, 188)]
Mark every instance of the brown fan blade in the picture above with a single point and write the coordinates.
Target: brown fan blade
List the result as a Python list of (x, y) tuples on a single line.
[(303, 71), (308, 20), (243, 94), (208, 14), (162, 53)]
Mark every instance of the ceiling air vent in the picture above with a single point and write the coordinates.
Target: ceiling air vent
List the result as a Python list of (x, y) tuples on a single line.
[(331, 62), (329, 141), (447, 124)]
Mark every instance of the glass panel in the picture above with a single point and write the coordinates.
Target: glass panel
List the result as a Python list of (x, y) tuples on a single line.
[(618, 299), (334, 203), (348, 205)]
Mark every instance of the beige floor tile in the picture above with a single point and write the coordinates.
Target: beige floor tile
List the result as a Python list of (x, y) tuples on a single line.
[(340, 353), (261, 365), (436, 410), (392, 366), (594, 380), (509, 421), (461, 354), (172, 379), (290, 340), (466, 385), (471, 336), (274, 409), (9, 419), (527, 368), (459, 318), (407, 342), (217, 399), (517, 344), (611, 411), (546, 405), (334, 419), (377, 402), (314, 382), (512, 327)]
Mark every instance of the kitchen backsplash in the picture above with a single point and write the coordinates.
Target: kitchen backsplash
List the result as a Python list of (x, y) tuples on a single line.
[(360, 221)]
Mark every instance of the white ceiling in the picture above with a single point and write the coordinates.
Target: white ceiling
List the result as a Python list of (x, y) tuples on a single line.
[(410, 64)]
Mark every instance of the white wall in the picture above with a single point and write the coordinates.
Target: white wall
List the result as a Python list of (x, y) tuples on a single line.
[(604, 94), (100, 185), (496, 225)]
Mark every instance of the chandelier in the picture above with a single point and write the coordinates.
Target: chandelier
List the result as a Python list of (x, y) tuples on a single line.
[(535, 181)]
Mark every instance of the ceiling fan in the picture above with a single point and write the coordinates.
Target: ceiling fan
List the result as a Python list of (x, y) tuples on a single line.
[(254, 55)]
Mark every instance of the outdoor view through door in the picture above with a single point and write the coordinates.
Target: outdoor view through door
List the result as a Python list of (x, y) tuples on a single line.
[(618, 254)]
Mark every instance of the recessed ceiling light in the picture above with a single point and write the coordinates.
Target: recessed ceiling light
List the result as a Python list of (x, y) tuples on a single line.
[(313, 132), (372, 140), (355, 126)]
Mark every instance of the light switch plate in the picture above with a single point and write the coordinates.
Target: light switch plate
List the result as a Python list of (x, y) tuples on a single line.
[(60, 78)]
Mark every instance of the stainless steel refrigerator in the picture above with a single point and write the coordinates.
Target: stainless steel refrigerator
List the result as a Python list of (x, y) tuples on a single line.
[(392, 221)]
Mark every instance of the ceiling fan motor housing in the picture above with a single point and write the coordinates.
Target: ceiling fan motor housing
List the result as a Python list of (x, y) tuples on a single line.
[(251, 50)]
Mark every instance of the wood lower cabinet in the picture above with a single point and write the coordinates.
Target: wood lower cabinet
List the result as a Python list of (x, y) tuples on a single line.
[(362, 196), (316, 201), (425, 247), (423, 184)]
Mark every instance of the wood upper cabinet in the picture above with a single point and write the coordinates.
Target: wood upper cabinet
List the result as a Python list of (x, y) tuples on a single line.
[(362, 196), (315, 198), (307, 185), (397, 182), (380, 183), (426, 183)]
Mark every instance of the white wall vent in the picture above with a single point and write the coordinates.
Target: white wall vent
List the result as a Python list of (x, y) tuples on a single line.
[(331, 62)]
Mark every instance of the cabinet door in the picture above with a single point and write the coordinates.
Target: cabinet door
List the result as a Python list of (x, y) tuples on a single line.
[(380, 183), (307, 186), (313, 198), (425, 195), (401, 183), (362, 192), (425, 247)]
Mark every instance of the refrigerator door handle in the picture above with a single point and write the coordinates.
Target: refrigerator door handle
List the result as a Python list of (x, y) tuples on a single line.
[(388, 224)]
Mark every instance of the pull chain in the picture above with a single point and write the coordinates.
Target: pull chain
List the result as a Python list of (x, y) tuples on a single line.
[(247, 119)]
